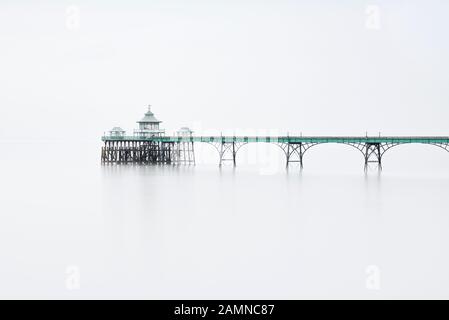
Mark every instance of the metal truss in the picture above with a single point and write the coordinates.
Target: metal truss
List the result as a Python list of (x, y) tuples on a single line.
[(294, 152), (372, 152), (227, 151)]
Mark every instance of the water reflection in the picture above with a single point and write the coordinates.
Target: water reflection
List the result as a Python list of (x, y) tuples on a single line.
[(204, 232)]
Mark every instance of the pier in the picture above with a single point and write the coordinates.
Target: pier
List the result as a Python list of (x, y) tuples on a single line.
[(150, 145)]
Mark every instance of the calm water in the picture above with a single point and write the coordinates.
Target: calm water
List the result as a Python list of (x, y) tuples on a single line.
[(71, 228)]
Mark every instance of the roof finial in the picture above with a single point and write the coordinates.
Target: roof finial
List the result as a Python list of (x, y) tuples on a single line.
[(149, 107)]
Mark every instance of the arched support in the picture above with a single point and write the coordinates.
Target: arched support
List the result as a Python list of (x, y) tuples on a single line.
[(227, 151), (386, 146), (373, 152), (444, 146), (294, 151)]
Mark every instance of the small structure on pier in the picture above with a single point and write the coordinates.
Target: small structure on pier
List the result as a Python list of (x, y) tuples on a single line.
[(184, 151), (184, 132), (117, 132), (149, 126)]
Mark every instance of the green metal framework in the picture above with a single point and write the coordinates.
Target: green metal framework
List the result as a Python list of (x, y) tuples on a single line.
[(288, 139)]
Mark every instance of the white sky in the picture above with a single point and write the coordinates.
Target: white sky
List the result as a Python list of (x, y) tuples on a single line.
[(274, 66)]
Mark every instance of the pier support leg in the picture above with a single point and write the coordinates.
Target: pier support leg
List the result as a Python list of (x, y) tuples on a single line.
[(373, 154), (233, 153), (294, 152), (221, 153), (193, 153), (228, 152), (184, 153)]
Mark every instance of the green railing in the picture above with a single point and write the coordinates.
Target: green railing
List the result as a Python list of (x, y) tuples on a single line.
[(288, 139)]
